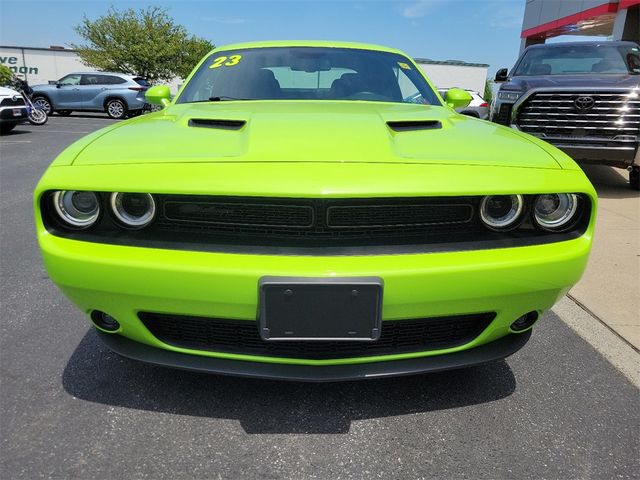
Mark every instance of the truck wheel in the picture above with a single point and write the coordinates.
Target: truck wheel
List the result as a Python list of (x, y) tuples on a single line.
[(634, 177)]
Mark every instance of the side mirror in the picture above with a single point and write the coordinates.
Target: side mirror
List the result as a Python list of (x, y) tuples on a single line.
[(501, 75), (58, 84), (159, 95), (457, 98)]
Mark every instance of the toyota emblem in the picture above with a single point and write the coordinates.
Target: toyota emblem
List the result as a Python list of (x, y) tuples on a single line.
[(584, 103)]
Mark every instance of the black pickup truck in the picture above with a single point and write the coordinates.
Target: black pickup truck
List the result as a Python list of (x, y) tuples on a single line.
[(582, 97)]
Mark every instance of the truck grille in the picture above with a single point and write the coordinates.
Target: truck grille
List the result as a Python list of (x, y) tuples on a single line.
[(558, 114), (11, 102), (242, 337)]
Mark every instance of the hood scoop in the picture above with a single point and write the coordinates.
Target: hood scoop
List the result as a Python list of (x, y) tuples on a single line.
[(411, 125), (220, 124)]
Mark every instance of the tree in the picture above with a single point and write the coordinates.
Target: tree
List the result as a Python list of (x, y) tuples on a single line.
[(488, 91), (5, 75), (146, 43)]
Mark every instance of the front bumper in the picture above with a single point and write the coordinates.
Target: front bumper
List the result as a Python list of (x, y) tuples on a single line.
[(496, 350), (13, 114), (123, 281)]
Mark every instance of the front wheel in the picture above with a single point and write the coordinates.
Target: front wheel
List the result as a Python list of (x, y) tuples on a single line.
[(43, 104), (116, 109), (634, 177), (37, 117)]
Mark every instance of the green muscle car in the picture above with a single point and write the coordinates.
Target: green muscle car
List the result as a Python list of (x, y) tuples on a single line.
[(313, 211)]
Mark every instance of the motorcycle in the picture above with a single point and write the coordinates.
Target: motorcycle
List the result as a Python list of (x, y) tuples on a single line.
[(36, 116)]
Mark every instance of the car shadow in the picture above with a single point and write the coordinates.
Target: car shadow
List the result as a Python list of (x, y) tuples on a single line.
[(609, 182), (18, 130), (96, 374)]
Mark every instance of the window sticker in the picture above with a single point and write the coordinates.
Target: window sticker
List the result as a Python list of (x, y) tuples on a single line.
[(404, 66), (230, 61)]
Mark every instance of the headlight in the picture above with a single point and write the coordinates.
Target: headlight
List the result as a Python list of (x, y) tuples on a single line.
[(75, 208), (133, 210), (509, 96), (555, 211), (501, 212)]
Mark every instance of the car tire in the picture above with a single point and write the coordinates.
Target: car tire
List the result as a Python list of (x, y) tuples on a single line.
[(43, 103), (63, 113), (6, 128), (634, 177), (116, 109)]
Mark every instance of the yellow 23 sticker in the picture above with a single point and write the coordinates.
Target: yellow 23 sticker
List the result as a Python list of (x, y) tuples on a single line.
[(230, 61), (404, 66)]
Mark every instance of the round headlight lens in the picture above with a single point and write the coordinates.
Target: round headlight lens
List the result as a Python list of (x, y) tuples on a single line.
[(501, 212), (133, 210), (555, 211), (77, 209)]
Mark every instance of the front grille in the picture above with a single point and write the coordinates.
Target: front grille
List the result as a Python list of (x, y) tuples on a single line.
[(555, 115), (11, 102), (312, 222), (242, 337)]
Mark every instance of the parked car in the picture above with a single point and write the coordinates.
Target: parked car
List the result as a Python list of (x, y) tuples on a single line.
[(13, 110), (582, 97), (116, 94), (290, 214), (478, 106)]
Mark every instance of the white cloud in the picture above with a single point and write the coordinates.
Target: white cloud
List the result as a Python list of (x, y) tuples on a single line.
[(505, 14), (420, 8)]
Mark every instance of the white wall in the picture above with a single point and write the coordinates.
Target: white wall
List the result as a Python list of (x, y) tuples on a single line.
[(449, 76), (42, 66)]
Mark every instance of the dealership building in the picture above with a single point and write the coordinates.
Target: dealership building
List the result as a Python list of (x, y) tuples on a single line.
[(43, 65), (618, 19)]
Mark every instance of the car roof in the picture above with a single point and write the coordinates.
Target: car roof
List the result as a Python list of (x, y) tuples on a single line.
[(95, 72), (307, 43), (584, 44)]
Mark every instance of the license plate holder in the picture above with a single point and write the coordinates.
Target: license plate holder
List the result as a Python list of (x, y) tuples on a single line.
[(320, 309)]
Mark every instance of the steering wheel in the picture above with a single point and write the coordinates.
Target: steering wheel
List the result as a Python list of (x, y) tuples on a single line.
[(367, 96)]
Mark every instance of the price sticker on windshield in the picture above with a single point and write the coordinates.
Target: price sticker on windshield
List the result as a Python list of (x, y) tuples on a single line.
[(230, 61), (404, 66)]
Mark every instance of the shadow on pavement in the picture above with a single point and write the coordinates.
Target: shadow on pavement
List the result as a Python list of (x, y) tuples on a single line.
[(96, 374), (609, 182)]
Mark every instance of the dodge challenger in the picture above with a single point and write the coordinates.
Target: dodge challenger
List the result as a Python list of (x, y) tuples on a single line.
[(313, 211)]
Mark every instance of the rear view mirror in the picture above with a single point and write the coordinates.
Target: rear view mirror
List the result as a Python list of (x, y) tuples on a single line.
[(159, 95), (501, 75), (457, 98)]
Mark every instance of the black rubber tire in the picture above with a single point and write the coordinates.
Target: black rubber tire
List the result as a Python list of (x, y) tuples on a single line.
[(40, 101), (6, 128), (116, 109), (634, 177), (64, 113)]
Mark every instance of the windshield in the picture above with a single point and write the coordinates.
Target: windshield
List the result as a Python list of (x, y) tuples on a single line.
[(308, 73), (583, 59)]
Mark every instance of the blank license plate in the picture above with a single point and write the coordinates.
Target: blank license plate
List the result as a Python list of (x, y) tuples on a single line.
[(314, 309)]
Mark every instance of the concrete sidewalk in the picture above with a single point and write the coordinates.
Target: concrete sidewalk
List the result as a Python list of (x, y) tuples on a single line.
[(610, 288)]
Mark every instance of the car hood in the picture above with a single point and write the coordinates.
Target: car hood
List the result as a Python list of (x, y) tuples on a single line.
[(572, 81), (7, 92), (312, 131)]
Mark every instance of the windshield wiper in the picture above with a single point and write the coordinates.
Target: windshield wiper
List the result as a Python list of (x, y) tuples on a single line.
[(222, 98)]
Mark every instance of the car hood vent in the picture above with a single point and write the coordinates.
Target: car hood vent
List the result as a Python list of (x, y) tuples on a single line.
[(217, 123), (409, 125)]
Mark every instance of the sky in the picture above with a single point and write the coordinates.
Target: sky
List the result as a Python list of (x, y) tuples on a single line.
[(480, 31)]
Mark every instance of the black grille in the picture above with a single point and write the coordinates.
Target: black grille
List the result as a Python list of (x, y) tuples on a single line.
[(316, 221), (557, 115), (242, 337), (11, 102)]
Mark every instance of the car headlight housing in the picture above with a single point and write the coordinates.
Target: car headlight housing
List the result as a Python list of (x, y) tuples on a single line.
[(501, 212), (509, 96), (555, 211), (77, 209), (133, 210)]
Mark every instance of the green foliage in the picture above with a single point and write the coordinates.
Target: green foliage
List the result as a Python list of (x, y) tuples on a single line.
[(488, 91), (145, 42), (5, 75)]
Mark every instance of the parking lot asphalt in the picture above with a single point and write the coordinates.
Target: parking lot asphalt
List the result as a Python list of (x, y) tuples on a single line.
[(72, 409)]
